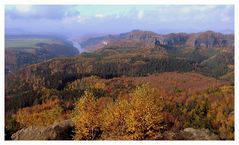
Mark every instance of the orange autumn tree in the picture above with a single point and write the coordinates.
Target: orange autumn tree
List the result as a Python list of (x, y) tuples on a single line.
[(136, 116), (113, 119), (145, 114), (85, 117), (221, 116), (221, 113), (44, 114)]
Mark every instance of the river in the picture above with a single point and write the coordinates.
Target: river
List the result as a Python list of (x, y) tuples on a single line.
[(77, 45)]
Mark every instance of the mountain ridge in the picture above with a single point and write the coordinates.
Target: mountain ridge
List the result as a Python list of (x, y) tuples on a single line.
[(209, 39)]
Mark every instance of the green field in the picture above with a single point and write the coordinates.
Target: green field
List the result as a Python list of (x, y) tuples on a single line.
[(13, 43), (25, 50)]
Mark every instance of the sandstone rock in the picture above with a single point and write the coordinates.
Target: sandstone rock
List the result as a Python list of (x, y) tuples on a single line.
[(197, 134), (137, 38), (168, 135), (57, 131)]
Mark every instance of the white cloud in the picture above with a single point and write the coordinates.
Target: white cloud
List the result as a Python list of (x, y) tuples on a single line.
[(204, 8), (140, 14), (67, 18), (226, 19), (186, 9), (117, 16), (99, 15), (74, 19), (23, 8)]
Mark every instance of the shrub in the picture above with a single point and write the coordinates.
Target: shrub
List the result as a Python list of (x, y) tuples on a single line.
[(221, 116), (44, 114)]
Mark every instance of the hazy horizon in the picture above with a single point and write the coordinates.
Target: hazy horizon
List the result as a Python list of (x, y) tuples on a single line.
[(72, 20)]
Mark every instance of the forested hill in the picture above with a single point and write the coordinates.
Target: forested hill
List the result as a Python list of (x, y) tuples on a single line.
[(111, 62), (191, 81), (22, 50), (114, 61), (212, 52), (148, 39)]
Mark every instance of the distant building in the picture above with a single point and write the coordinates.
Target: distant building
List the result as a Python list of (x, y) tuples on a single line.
[(105, 43)]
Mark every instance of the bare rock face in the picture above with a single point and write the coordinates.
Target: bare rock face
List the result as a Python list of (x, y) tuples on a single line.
[(187, 134), (58, 131), (197, 134), (136, 38)]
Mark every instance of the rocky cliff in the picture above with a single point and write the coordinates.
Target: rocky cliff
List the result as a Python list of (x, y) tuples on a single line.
[(57, 131), (147, 39)]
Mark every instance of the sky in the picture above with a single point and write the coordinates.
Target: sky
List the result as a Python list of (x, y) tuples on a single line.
[(112, 19)]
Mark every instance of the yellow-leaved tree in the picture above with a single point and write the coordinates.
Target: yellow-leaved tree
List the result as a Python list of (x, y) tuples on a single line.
[(44, 114), (113, 120), (85, 117), (145, 114), (221, 116), (136, 116)]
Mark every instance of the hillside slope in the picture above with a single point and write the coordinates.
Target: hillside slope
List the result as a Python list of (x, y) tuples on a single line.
[(176, 84), (21, 51), (212, 52)]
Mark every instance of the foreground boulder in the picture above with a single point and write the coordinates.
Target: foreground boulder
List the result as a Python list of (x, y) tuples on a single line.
[(58, 131), (64, 131), (197, 134), (187, 134)]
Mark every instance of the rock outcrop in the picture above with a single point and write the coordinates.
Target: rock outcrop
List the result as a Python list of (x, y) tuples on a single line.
[(197, 134), (208, 39), (64, 131), (58, 131), (187, 134)]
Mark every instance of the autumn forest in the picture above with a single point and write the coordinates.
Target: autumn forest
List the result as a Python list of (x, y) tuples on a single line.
[(135, 85)]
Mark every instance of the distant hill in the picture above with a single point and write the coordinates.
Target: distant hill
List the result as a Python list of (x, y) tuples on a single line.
[(22, 50), (207, 49), (147, 39), (116, 61)]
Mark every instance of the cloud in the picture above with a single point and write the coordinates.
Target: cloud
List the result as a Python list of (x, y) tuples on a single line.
[(140, 14), (117, 16), (226, 19), (41, 11), (99, 15), (121, 18), (74, 19), (23, 8)]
